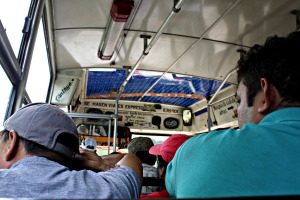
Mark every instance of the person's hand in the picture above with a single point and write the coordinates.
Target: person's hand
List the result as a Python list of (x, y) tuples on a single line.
[(90, 160)]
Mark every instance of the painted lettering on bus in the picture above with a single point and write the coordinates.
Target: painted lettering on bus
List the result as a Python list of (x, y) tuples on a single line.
[(169, 110), (64, 90), (230, 101), (106, 105), (113, 105), (219, 106), (99, 104), (132, 107)]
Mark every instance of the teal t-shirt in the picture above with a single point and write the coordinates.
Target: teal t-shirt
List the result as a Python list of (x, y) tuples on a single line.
[(258, 160)]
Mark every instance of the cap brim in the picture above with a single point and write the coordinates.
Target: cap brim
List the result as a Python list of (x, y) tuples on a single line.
[(155, 150)]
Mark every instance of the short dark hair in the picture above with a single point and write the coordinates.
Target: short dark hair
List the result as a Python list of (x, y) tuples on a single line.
[(146, 157), (30, 147), (277, 61), (39, 150), (6, 135), (161, 162)]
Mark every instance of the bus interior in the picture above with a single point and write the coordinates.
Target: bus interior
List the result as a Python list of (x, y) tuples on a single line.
[(128, 68)]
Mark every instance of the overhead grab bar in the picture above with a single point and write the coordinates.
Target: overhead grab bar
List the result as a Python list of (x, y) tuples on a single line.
[(215, 94), (185, 52), (209, 103), (174, 11), (222, 84)]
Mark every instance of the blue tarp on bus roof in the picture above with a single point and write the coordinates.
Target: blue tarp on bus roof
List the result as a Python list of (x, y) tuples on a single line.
[(172, 89)]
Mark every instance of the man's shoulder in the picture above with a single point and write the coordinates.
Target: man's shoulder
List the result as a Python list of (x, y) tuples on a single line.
[(284, 114), (213, 134), (34, 162), (209, 140)]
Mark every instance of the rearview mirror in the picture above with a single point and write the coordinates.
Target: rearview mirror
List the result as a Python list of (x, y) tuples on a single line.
[(187, 117)]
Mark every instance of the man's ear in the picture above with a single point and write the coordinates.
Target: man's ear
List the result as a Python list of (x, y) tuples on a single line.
[(270, 96), (12, 145)]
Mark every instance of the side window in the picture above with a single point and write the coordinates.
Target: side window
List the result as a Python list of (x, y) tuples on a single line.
[(13, 22), (12, 19), (39, 73), (5, 88), (12, 16)]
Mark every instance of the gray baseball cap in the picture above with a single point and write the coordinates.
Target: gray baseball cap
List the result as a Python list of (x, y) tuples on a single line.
[(43, 123)]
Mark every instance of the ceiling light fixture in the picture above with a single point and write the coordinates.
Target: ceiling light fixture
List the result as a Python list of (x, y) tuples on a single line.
[(119, 14)]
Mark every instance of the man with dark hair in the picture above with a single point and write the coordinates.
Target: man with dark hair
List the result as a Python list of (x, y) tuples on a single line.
[(262, 157), (39, 147), (140, 146)]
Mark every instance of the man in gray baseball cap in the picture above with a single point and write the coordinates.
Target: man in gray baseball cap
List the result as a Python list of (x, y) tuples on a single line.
[(46, 125), (39, 149)]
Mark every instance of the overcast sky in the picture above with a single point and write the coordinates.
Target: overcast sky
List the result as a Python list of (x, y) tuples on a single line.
[(12, 15)]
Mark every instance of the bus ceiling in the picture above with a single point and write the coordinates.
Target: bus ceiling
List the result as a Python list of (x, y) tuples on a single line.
[(178, 54)]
